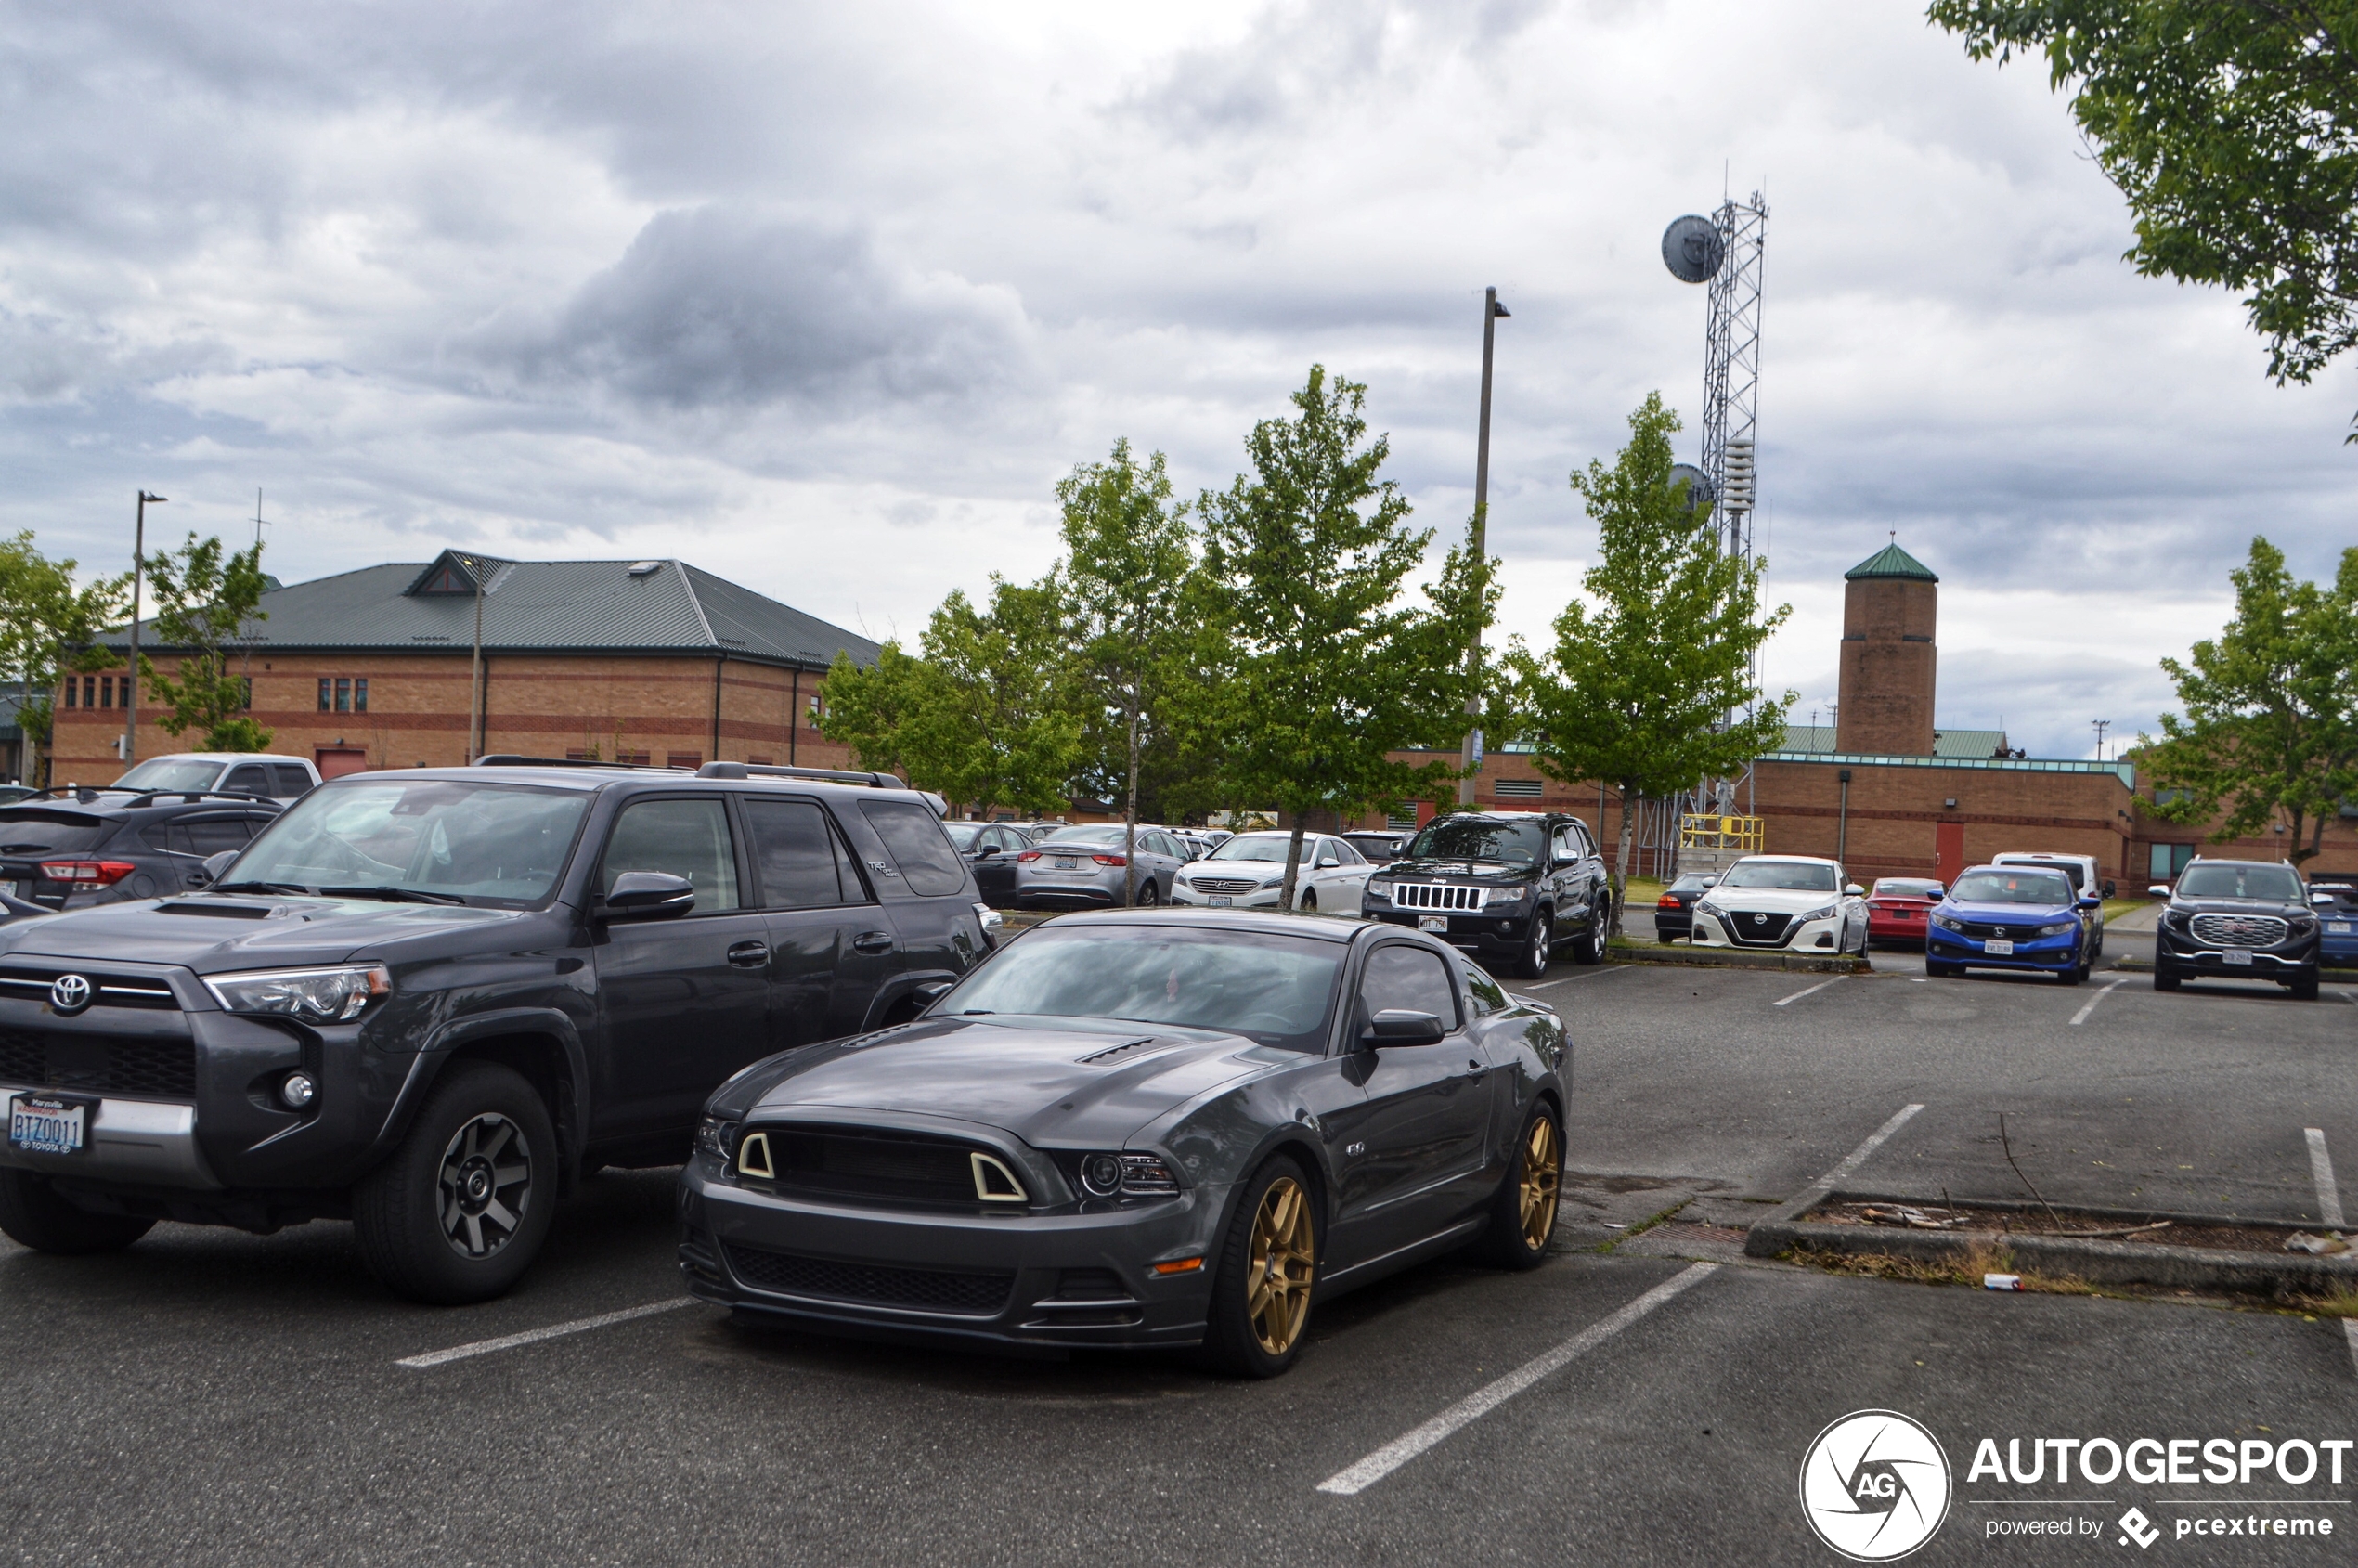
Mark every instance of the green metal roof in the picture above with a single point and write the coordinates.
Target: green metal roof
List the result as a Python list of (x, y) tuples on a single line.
[(1893, 562)]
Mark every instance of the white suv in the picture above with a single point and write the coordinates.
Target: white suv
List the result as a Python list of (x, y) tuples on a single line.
[(2087, 878), (232, 772)]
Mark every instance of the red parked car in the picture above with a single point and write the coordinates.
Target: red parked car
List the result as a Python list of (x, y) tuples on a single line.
[(1896, 909)]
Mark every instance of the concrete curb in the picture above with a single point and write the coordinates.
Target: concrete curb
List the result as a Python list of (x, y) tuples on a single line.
[(2141, 965), (2097, 1262), (1722, 958)]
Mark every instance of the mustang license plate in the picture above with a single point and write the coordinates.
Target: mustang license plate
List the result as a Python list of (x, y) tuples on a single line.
[(49, 1123), (1432, 923), (1998, 945), (1067, 862), (2234, 957)]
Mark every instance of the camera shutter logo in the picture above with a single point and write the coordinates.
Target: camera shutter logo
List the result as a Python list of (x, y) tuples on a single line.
[(1875, 1485), (68, 994)]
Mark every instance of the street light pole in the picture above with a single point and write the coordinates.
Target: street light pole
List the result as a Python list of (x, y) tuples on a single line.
[(475, 688), (138, 580), (1469, 755)]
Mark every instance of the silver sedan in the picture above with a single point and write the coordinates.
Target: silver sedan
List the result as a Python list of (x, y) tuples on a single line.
[(1082, 867)]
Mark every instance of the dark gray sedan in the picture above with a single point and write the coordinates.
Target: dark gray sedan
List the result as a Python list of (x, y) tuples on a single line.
[(1139, 1129)]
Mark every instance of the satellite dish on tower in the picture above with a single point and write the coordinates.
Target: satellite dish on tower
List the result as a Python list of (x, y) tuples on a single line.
[(1692, 249), (1698, 486)]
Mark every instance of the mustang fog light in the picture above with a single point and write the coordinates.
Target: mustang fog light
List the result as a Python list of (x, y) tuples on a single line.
[(1101, 1175), (297, 1091)]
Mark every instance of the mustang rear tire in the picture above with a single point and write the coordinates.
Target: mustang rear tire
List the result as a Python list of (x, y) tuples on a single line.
[(33, 1216), (1523, 1215), (458, 1212), (1267, 1268)]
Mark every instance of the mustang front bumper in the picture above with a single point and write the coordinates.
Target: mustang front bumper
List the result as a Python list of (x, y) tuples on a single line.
[(1023, 1279)]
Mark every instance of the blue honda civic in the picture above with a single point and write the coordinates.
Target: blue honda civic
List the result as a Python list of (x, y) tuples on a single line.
[(2011, 917)]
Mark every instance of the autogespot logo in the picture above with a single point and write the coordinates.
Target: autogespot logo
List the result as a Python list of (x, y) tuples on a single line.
[(1874, 1485)]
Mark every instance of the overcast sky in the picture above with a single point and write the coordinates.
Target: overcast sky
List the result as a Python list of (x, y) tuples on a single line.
[(825, 298)]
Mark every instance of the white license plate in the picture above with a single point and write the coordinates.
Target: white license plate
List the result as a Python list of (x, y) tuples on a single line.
[(1222, 901), (1998, 945), (1066, 863), (1432, 923), (2233, 959), (2340, 928), (47, 1124)]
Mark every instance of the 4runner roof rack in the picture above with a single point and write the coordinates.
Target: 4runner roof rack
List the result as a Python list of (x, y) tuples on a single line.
[(506, 759)]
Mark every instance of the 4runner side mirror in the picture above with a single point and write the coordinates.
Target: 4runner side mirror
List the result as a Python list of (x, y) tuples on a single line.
[(648, 895), (1397, 1026)]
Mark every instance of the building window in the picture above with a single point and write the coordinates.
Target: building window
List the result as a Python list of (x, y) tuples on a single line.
[(817, 710), (341, 694), (70, 691), (327, 694), (106, 692), (2168, 859), (2169, 796), (360, 695), (245, 686), (688, 759), (90, 690)]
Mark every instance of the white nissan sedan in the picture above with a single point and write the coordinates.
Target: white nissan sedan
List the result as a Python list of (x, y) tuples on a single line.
[(1795, 902), (1249, 871)]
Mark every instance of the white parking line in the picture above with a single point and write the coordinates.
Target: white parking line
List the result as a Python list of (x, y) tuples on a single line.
[(2321, 1169), (1399, 1450), (1567, 980), (1815, 1193), (534, 1336), (1811, 991), (2081, 1015)]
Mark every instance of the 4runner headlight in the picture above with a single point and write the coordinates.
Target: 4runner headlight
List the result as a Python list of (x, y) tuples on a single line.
[(320, 996)]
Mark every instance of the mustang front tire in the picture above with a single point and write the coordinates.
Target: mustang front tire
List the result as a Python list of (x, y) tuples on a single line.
[(31, 1215), (1267, 1268), (458, 1212), (1523, 1215)]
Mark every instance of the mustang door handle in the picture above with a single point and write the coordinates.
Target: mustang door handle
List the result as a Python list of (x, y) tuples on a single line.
[(749, 955), (872, 941), (1475, 1071)]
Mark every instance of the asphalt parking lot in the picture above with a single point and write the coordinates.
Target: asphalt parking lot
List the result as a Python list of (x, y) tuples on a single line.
[(213, 1397)]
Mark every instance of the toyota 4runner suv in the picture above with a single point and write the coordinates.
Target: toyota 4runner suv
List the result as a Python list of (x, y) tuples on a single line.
[(429, 1000), (1511, 885)]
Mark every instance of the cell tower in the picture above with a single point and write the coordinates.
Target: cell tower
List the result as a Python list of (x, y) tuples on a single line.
[(1724, 251)]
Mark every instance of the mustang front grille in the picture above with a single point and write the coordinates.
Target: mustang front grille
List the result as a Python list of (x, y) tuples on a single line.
[(1435, 894), (2239, 930), (922, 1290), (870, 1162), (162, 1069)]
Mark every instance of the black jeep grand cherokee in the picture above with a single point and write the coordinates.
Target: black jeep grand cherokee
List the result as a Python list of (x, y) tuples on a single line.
[(1509, 885), (2245, 919), (431, 1000)]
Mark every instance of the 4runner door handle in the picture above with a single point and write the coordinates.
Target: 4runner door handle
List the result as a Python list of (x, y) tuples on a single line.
[(749, 955), (872, 941)]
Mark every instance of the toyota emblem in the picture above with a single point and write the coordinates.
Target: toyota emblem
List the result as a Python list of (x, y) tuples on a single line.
[(68, 994)]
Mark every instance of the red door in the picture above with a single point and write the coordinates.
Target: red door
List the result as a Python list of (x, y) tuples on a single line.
[(1948, 849), (334, 763)]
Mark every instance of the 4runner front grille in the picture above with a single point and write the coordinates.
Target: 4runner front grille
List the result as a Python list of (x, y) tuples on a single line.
[(107, 991), (99, 1064)]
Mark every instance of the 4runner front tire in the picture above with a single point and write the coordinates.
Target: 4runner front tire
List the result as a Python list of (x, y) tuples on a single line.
[(33, 1215), (458, 1212)]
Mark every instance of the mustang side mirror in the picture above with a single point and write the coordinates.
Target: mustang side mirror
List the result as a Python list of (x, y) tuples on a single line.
[(648, 895), (1397, 1026), (1855, 892)]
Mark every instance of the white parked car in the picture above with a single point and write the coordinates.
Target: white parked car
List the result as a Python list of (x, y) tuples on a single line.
[(1795, 902), (233, 772), (1249, 871)]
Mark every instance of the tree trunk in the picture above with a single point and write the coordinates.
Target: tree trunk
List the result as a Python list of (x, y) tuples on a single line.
[(1620, 856), (1130, 811), (1293, 865)]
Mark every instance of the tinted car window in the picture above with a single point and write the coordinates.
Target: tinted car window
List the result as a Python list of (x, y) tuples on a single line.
[(29, 831), (1409, 979), (1471, 839), (687, 838), (794, 853), (2019, 886), (2071, 869), (292, 781), (912, 836), (209, 835), (2274, 882), (249, 778), (1488, 996)]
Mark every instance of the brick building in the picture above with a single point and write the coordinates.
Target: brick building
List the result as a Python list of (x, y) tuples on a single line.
[(641, 661)]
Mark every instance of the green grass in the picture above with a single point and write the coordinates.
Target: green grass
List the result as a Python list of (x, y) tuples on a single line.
[(2116, 908)]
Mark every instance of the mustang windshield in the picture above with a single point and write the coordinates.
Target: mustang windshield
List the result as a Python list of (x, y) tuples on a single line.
[(2047, 887), (1790, 877), (2274, 883), (1277, 990), (1471, 839), (496, 844)]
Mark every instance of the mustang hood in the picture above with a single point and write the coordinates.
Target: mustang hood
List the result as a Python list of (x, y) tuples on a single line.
[(1052, 1084), (216, 935)]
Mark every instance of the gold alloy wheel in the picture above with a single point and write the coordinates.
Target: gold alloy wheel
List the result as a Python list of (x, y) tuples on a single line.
[(1540, 1176), (1279, 1267)]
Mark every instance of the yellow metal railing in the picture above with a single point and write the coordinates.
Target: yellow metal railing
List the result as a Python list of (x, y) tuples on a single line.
[(1706, 830)]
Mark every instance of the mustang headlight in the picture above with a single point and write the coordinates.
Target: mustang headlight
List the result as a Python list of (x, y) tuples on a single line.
[(715, 1137), (1101, 1175), (2058, 928), (319, 997), (1147, 1176)]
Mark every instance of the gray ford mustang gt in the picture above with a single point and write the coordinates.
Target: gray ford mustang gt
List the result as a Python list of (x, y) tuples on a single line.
[(1137, 1128)]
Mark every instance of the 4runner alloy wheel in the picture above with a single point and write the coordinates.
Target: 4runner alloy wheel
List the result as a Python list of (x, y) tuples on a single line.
[(459, 1211)]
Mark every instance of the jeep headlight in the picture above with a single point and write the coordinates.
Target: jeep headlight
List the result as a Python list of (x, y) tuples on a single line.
[(1379, 890), (319, 997), (1505, 895)]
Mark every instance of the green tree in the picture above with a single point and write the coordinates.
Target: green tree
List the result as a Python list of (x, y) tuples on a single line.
[(974, 717), (206, 597), (2271, 726), (47, 628), (1129, 556), (2231, 127), (1305, 561), (1639, 688)]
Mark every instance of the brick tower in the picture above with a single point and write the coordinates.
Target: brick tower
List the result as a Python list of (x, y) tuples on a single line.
[(1888, 609)]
